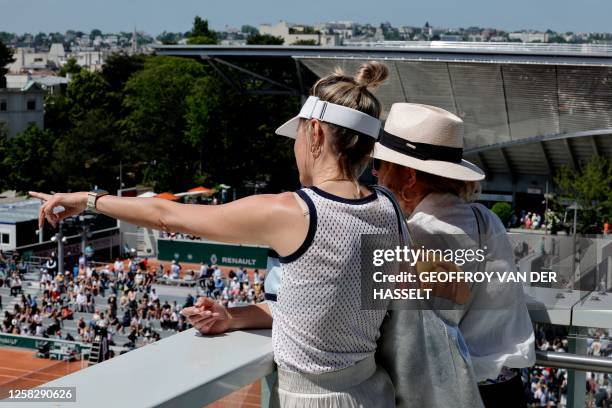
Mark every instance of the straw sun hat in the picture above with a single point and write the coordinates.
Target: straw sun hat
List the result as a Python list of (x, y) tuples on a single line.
[(428, 139)]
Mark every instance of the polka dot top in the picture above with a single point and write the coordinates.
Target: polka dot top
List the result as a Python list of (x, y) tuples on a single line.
[(318, 322)]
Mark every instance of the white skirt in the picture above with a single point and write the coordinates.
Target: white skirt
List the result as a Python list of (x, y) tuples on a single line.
[(363, 385)]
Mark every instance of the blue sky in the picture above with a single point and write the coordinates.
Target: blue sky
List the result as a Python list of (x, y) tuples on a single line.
[(155, 16)]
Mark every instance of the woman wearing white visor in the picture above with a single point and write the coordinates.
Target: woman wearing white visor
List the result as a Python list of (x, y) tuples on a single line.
[(324, 359), (419, 158)]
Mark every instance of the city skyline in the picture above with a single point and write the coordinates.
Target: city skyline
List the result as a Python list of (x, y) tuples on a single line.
[(156, 16)]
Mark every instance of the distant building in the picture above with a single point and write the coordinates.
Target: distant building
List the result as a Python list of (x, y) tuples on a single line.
[(451, 37), (296, 33), (48, 82), (19, 230), (93, 60), (57, 54), (529, 36), (22, 107), (18, 220), (406, 32), (27, 59)]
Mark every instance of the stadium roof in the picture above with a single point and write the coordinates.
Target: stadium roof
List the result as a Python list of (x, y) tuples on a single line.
[(527, 108), (25, 210)]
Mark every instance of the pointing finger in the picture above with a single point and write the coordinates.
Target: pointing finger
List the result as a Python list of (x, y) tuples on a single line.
[(42, 196)]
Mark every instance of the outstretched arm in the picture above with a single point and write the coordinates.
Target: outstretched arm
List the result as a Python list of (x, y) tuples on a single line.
[(267, 219)]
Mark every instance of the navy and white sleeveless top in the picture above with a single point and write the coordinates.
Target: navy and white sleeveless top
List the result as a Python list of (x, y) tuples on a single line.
[(319, 325)]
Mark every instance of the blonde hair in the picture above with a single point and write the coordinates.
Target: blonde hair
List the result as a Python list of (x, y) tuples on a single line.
[(352, 148)]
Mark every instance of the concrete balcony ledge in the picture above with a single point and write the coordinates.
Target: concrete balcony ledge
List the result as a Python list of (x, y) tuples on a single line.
[(184, 370), (190, 370)]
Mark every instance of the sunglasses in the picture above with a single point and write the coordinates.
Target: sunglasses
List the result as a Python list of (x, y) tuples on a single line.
[(376, 164)]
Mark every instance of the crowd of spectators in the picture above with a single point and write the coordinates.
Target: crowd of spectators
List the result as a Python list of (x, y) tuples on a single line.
[(527, 220), (12, 269), (178, 235), (548, 387), (120, 298)]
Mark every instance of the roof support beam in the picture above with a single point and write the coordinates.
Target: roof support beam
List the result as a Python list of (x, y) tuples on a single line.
[(549, 165), (507, 162), (570, 154), (399, 78), (501, 74), (256, 75), (298, 72), (452, 89), (221, 73), (594, 146), (483, 162)]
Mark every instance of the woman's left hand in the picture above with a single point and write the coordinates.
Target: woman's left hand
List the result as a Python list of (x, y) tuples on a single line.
[(73, 204), (208, 316)]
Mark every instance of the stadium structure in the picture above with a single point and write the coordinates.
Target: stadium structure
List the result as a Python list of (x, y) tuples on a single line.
[(528, 108)]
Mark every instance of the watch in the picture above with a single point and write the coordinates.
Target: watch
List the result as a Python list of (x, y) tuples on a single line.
[(92, 197)]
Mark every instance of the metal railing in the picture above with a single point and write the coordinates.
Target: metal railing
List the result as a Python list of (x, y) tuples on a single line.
[(574, 362)]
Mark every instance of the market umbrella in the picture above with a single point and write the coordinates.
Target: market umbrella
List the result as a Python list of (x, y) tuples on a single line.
[(167, 196), (202, 190), (198, 191)]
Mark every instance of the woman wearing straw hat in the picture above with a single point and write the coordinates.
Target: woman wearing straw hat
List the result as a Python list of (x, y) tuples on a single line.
[(419, 158), (323, 360)]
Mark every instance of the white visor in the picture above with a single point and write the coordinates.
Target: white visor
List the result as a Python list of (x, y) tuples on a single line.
[(314, 108)]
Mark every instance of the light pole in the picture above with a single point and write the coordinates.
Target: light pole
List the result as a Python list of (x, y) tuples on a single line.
[(85, 221), (574, 207), (61, 240), (546, 220)]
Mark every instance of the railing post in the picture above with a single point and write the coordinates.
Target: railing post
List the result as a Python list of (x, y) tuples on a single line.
[(267, 384), (576, 380)]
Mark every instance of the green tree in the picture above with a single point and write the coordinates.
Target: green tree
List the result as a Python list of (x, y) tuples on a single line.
[(56, 37), (95, 33), (6, 37), (235, 132), (4, 147), (87, 122), (591, 188), (249, 30), (169, 38), (155, 123), (118, 68), (503, 211), (306, 42), (86, 91), (556, 39), (88, 153), (200, 33), (6, 58), (71, 67), (27, 160), (264, 39), (203, 111)]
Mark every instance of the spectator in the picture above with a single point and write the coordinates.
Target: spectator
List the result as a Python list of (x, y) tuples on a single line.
[(175, 270)]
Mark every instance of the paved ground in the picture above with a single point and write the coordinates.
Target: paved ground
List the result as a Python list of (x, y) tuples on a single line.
[(21, 369)]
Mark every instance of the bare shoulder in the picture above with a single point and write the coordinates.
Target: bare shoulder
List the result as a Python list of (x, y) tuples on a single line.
[(282, 204), (270, 207)]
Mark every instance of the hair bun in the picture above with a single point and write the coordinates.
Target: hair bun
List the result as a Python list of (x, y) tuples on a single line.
[(371, 74)]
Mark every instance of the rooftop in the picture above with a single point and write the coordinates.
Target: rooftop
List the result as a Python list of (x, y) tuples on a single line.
[(20, 211), (527, 108)]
